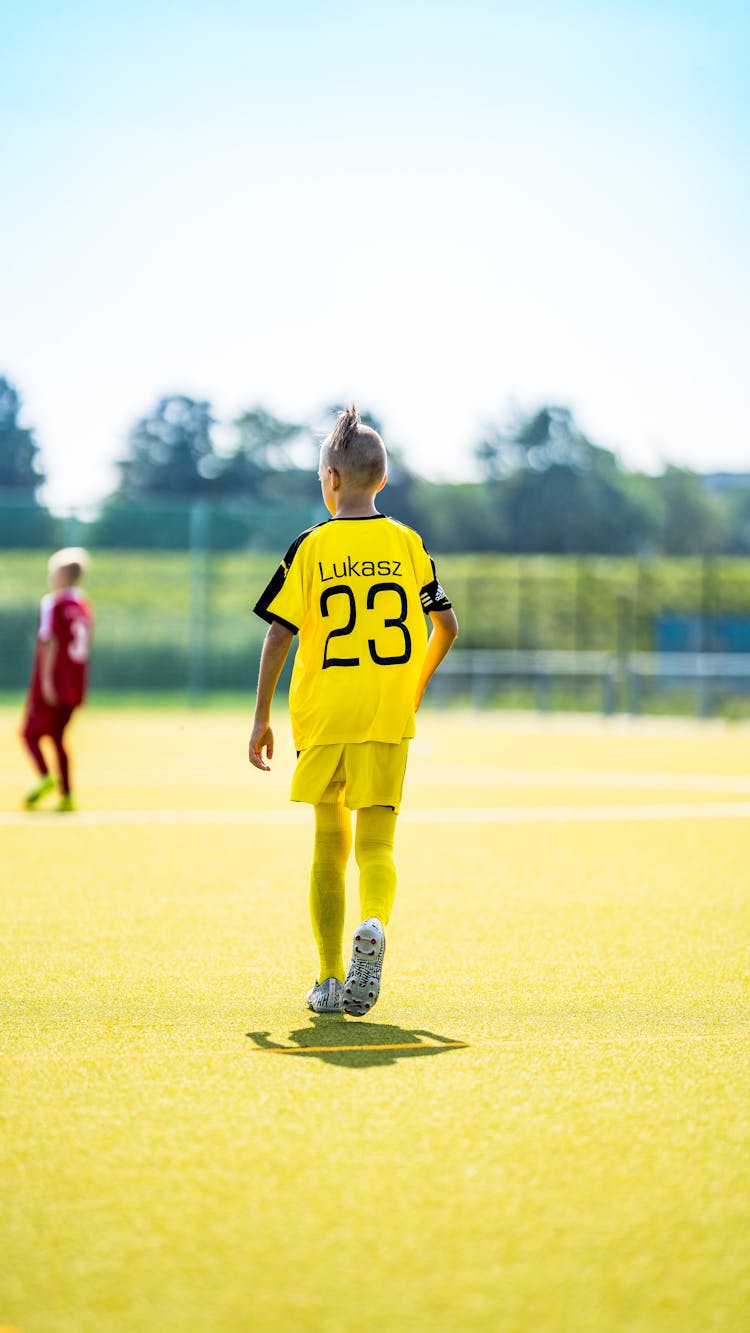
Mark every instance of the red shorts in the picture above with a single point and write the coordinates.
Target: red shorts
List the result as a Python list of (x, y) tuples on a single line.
[(46, 719)]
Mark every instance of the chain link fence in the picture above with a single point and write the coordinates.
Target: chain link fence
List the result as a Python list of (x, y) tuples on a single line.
[(173, 585)]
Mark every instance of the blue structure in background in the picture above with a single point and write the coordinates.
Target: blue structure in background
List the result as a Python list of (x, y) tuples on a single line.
[(679, 632)]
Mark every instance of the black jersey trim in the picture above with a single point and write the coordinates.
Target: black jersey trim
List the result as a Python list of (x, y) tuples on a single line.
[(432, 596), (293, 549), (276, 583), (352, 518), (272, 619)]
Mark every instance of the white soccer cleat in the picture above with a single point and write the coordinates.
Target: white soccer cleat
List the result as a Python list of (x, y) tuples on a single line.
[(362, 985), (326, 997)]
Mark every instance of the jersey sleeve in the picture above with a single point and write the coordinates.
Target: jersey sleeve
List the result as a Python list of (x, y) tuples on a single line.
[(432, 593), (46, 617), (283, 600)]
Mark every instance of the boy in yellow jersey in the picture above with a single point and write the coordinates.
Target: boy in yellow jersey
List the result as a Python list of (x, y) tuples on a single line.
[(356, 588)]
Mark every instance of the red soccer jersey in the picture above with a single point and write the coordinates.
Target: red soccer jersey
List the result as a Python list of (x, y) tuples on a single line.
[(65, 616)]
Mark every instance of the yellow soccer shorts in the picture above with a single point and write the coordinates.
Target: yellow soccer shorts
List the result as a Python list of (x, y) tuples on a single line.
[(359, 775)]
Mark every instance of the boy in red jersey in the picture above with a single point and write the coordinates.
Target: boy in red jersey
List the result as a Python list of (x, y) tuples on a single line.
[(59, 675)]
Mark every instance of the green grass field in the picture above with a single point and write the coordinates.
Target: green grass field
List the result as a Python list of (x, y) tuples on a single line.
[(544, 1127)]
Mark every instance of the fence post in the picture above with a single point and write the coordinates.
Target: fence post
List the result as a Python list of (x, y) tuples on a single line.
[(480, 685), (609, 691), (520, 608), (705, 689), (578, 617), (541, 690), (639, 600), (632, 688), (624, 631), (196, 664), (705, 644), (527, 607)]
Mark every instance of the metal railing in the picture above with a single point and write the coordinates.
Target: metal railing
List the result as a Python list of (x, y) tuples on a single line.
[(622, 680)]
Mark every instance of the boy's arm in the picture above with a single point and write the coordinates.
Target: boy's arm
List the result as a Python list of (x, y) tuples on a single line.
[(276, 645), (47, 655), (444, 631)]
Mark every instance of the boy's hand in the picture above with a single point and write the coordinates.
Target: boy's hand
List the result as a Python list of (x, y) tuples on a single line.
[(276, 645), (261, 738)]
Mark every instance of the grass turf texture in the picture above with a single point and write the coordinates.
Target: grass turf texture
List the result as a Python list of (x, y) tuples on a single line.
[(579, 1159)]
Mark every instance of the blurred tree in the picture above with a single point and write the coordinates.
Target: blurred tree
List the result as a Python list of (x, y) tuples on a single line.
[(545, 487), (400, 498), (24, 521), (692, 517), (172, 462), (263, 442), (555, 491), (738, 520), (460, 516), (567, 511), (19, 452), (171, 451), (262, 463), (549, 436)]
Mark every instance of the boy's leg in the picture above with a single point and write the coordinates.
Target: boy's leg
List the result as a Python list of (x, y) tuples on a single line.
[(35, 726), (61, 720), (333, 841), (33, 730), (373, 848)]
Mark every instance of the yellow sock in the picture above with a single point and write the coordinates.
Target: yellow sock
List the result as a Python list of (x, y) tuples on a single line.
[(333, 841), (373, 848)]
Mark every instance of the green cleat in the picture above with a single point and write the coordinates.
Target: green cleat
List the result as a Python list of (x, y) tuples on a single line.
[(66, 803), (47, 784)]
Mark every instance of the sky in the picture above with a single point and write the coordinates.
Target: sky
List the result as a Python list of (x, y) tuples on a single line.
[(450, 213)]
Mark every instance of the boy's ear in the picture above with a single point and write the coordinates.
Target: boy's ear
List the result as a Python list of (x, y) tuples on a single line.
[(335, 478), (382, 484)]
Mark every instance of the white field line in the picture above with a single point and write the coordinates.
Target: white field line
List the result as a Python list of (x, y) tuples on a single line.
[(620, 779), (543, 814), (423, 770), (580, 814)]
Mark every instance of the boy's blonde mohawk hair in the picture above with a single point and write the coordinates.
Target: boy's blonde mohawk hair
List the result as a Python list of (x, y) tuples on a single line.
[(356, 449), (345, 430)]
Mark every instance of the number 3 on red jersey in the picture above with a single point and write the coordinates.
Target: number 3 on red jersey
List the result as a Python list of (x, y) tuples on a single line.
[(78, 648)]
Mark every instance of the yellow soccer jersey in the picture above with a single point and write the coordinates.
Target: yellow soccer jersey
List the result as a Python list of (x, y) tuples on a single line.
[(356, 589)]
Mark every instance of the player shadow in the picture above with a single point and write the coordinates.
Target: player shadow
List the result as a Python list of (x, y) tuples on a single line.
[(336, 1041)]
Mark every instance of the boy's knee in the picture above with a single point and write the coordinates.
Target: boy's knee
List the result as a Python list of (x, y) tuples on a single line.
[(331, 848), (373, 851), (330, 843)]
